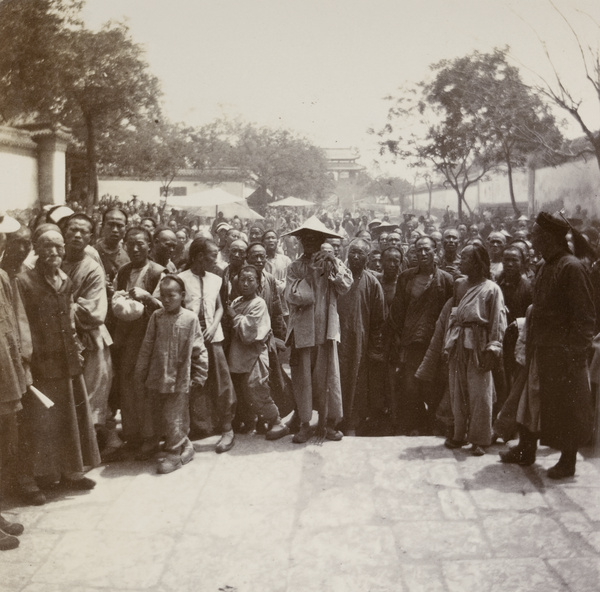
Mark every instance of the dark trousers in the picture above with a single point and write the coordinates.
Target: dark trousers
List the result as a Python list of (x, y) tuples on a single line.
[(416, 400)]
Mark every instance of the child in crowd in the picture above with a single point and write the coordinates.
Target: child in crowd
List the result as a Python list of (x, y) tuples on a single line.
[(248, 352), (172, 358)]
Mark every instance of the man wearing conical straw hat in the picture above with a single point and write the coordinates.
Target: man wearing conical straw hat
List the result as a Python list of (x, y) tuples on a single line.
[(314, 282)]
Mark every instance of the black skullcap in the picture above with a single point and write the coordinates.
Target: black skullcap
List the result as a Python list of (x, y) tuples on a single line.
[(552, 224)]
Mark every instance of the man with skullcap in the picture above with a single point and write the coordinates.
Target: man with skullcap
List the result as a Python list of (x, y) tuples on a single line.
[(559, 338), (59, 442)]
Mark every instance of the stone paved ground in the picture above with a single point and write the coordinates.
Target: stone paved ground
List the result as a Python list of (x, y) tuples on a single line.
[(365, 515)]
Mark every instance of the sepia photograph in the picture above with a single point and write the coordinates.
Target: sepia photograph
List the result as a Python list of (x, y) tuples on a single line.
[(299, 295)]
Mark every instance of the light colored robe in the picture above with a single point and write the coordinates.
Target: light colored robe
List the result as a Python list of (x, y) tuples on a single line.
[(476, 325), (91, 306)]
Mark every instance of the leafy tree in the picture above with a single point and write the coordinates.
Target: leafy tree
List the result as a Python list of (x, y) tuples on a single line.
[(31, 47), (93, 82), (277, 161), (486, 90), (152, 149), (473, 116), (430, 136), (394, 188)]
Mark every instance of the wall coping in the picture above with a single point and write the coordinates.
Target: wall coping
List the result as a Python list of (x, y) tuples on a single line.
[(16, 138)]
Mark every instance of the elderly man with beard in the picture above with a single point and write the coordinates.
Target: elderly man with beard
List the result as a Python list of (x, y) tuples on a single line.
[(361, 311), (559, 337), (91, 306), (421, 293), (59, 442), (314, 283)]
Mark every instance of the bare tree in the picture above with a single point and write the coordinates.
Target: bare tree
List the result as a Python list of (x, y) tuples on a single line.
[(558, 92)]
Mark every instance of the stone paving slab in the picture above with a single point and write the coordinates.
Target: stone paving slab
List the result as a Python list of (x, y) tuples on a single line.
[(365, 515)]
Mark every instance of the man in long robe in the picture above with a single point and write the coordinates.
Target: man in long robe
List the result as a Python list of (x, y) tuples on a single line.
[(91, 306), (560, 335), (268, 290), (13, 384), (476, 330), (314, 283), (59, 442), (361, 311)]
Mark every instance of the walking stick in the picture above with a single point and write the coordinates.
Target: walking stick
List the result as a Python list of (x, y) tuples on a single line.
[(324, 398)]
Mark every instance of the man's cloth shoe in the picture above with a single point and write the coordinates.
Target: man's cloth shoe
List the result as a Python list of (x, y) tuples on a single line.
[(453, 444), (226, 442), (518, 455), (333, 434), (277, 431), (188, 452), (32, 495), (565, 467), (83, 484), (168, 464), (8, 542), (12, 528), (476, 450), (304, 434)]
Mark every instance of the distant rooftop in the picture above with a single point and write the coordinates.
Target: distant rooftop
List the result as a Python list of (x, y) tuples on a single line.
[(342, 153)]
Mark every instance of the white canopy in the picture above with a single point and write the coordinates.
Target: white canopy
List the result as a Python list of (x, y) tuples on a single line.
[(214, 197), (290, 202), (240, 209)]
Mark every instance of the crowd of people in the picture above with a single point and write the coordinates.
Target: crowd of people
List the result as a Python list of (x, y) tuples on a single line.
[(133, 332)]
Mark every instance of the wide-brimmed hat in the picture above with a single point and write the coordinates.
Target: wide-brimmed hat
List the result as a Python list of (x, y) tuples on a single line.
[(8, 224), (313, 224), (383, 227)]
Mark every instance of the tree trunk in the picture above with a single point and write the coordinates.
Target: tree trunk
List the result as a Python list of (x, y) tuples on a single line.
[(430, 188), (512, 189), (92, 164), (596, 144)]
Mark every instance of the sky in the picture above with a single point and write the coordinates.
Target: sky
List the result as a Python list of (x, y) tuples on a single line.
[(323, 67)]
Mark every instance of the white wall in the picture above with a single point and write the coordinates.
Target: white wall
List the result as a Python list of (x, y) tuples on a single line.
[(18, 170), (573, 183), (149, 191)]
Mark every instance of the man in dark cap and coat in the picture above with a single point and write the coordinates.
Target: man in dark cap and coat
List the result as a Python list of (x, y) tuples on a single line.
[(559, 338)]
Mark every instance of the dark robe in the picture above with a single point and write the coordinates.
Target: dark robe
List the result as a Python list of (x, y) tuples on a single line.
[(361, 311), (562, 329), (59, 441)]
